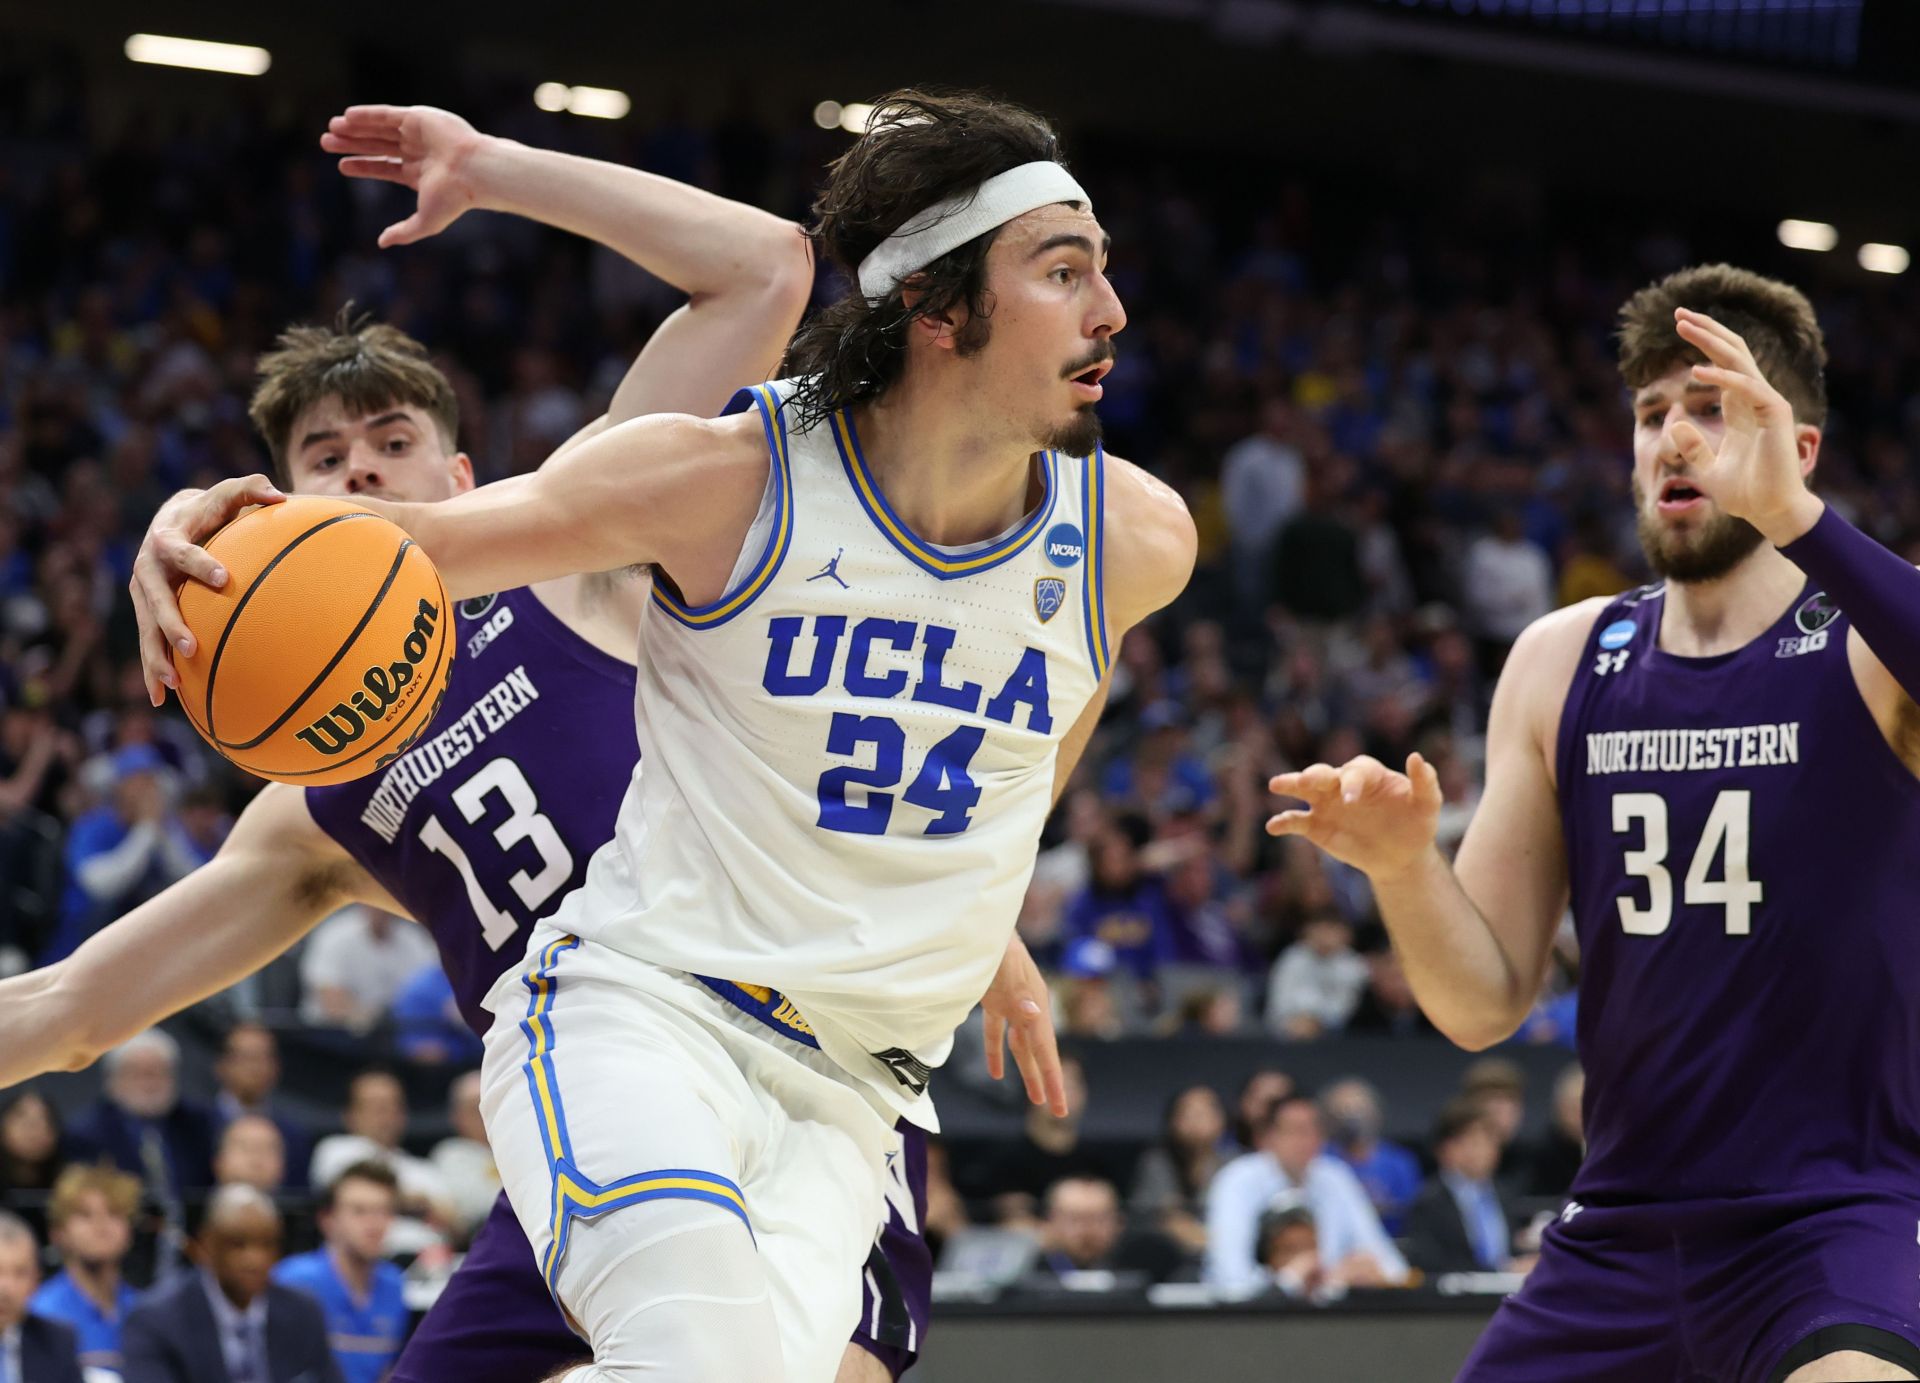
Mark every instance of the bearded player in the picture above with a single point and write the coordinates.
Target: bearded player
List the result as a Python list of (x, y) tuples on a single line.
[(1720, 773)]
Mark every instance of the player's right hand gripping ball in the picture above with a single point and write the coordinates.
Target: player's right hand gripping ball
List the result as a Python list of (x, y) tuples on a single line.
[(327, 651)]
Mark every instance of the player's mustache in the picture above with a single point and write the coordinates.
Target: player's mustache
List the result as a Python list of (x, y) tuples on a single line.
[(1100, 356)]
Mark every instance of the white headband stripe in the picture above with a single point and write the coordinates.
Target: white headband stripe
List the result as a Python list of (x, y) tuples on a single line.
[(946, 226)]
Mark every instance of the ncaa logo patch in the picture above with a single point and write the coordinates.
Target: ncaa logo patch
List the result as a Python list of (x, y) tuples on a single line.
[(1618, 634), (1064, 545), (1816, 612), (1049, 594)]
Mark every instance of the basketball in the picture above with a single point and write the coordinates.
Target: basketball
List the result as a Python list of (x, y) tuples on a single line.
[(326, 652)]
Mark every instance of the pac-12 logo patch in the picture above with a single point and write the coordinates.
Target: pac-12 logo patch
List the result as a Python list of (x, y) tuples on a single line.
[(1065, 546), (1049, 594), (1816, 612), (1618, 634)]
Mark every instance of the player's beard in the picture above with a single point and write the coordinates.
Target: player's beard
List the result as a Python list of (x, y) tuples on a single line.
[(1706, 551), (1078, 437)]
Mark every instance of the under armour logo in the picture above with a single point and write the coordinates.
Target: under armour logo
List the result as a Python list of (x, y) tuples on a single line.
[(1569, 1210), (832, 568)]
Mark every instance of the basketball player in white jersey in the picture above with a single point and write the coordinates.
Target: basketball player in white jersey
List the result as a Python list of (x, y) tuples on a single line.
[(361, 412), (886, 594)]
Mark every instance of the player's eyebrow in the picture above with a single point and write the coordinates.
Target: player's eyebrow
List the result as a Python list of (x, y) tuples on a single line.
[(1654, 394), (1078, 242), (329, 434)]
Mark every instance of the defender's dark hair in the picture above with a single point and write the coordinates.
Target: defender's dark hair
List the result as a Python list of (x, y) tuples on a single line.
[(921, 147), (369, 366), (1775, 318)]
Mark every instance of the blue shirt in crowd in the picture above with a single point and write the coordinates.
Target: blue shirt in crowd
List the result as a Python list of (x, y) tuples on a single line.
[(365, 1335)]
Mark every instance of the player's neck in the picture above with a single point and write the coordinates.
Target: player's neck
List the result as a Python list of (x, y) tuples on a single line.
[(949, 477), (1706, 618)]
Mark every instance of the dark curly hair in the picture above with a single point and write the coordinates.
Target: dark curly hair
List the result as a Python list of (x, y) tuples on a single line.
[(920, 148), (1775, 318)]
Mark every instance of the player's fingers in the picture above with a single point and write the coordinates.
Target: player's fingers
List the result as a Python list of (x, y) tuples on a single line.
[(1295, 823), (994, 1034), (1722, 343), (1024, 1058), (153, 647), (1692, 443), (164, 610), (1762, 395), (383, 169), (224, 503), (1426, 782), (335, 143), (368, 119), (1311, 784), (404, 232), (1360, 777), (1046, 1081)]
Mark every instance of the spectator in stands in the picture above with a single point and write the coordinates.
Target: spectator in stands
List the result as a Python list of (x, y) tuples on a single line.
[(229, 1319), (33, 1349), (359, 1291), (123, 852), (1162, 778), (92, 1218), (1016, 1175), (1508, 584), (1292, 1157), (1290, 1249), (428, 1027), (1317, 981), (464, 1160), (1316, 562), (1061, 871), (1258, 1094), (1460, 1222), (1388, 1006), (1082, 1227), (946, 1212), (143, 1126), (248, 1073), (376, 1120), (1263, 482), (1170, 1184), (1501, 1086), (35, 755), (30, 1156), (1389, 1172), (252, 1153), (1552, 1163), (1123, 905), (355, 963)]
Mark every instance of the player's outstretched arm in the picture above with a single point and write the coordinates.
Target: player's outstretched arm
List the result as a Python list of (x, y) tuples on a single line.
[(748, 274), (1474, 937), (277, 875), (677, 491)]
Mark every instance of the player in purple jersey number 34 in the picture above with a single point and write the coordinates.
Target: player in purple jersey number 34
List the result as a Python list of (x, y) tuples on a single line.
[(1719, 773)]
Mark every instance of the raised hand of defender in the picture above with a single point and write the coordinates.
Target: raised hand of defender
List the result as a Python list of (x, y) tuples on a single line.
[(421, 147), (171, 554), (1755, 474), (1363, 813), (1019, 1014)]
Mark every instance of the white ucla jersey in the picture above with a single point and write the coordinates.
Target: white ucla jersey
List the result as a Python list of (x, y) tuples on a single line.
[(846, 760)]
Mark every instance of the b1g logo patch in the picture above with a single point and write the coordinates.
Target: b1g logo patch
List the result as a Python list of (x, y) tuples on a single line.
[(1816, 612), (1065, 546), (476, 605), (1049, 594)]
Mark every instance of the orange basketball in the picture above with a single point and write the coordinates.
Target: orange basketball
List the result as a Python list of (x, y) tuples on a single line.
[(327, 651)]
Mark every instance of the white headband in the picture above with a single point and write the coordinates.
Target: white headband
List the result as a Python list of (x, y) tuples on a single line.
[(948, 225)]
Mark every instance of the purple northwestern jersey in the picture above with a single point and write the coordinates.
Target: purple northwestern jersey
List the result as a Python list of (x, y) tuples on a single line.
[(1744, 854), (489, 820)]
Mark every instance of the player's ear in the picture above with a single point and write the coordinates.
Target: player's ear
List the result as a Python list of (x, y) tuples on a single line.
[(938, 329), (462, 472), (1806, 440)]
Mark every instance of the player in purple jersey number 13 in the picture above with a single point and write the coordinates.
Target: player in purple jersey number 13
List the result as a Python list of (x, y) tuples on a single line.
[(1722, 775)]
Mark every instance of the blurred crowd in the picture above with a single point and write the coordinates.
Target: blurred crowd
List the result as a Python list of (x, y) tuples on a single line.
[(1398, 426)]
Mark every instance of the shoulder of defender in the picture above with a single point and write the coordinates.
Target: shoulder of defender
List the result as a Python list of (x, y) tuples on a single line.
[(1151, 541)]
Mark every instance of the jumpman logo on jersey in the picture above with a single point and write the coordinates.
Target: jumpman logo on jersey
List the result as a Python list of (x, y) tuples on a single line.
[(832, 568)]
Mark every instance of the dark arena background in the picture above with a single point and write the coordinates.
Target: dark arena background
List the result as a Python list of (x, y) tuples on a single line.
[(1371, 253)]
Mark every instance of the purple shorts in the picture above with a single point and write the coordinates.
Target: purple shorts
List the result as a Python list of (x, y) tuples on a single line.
[(1729, 1291), (496, 1322)]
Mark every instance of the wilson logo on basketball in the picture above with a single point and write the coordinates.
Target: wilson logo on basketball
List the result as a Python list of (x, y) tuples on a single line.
[(384, 685)]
